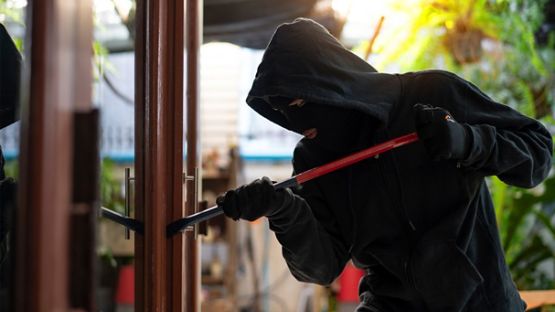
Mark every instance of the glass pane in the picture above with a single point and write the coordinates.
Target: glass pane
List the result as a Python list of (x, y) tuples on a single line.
[(114, 95)]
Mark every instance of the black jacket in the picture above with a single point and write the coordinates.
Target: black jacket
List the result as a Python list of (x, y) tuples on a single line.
[(424, 230)]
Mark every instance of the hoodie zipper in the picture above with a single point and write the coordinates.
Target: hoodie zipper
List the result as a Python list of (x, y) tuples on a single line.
[(400, 205), (410, 229), (408, 271)]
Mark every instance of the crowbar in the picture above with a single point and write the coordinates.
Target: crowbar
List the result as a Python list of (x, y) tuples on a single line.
[(181, 224)]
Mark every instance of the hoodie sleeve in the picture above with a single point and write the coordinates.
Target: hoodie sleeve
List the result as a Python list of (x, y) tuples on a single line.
[(311, 243), (516, 148)]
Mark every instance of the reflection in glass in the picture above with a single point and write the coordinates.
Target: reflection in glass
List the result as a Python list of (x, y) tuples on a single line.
[(11, 37)]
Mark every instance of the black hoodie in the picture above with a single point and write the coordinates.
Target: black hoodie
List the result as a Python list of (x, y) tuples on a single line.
[(424, 230)]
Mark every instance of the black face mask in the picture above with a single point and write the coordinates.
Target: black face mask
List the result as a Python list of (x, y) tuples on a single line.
[(337, 128)]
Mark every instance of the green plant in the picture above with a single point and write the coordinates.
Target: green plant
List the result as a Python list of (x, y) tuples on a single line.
[(490, 42), (527, 231), (447, 32), (11, 168), (111, 187), (112, 197), (10, 13)]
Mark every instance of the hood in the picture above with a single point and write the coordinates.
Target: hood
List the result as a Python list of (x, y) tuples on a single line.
[(303, 60)]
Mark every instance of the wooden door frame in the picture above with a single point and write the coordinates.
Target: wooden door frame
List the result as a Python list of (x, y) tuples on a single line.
[(57, 82), (192, 244), (159, 264)]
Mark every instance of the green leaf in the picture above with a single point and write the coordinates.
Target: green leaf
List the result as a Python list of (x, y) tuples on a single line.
[(529, 256), (546, 221)]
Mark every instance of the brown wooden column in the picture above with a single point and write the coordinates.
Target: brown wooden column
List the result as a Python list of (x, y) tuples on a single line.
[(140, 113), (159, 153), (192, 244), (176, 243), (57, 81)]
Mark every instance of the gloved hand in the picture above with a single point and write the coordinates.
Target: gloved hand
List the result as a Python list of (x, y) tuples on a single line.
[(442, 136), (251, 201)]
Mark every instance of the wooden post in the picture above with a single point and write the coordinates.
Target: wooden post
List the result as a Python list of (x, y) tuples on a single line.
[(158, 153), (192, 245), (56, 83)]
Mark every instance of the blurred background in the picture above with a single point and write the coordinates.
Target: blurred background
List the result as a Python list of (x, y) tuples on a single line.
[(506, 47)]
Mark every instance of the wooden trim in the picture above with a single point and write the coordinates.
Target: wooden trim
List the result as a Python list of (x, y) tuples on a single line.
[(192, 245), (538, 298), (140, 120), (176, 244), (55, 82), (159, 153)]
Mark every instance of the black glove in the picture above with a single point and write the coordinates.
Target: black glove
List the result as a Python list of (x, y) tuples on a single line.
[(442, 136), (251, 201)]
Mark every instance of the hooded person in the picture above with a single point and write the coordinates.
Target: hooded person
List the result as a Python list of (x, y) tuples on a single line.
[(418, 219)]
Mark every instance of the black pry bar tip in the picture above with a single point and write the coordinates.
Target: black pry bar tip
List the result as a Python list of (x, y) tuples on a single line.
[(129, 223), (181, 224)]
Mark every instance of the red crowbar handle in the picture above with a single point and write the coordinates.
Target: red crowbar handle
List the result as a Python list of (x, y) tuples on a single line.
[(182, 224)]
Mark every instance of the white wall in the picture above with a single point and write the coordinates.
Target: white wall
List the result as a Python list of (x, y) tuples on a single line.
[(227, 72)]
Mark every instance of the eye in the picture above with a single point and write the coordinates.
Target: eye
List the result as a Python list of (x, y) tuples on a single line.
[(297, 102)]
